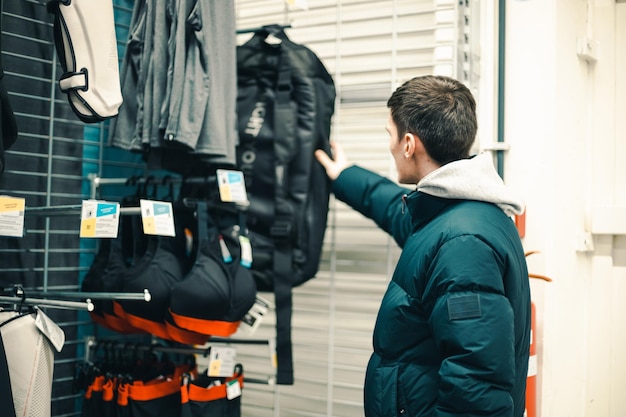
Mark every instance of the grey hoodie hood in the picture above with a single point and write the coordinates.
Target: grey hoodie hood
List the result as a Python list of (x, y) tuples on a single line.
[(472, 179)]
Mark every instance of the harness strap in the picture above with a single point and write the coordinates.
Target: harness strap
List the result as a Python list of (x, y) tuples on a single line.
[(74, 81)]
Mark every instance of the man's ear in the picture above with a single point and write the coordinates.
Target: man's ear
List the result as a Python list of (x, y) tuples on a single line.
[(412, 144)]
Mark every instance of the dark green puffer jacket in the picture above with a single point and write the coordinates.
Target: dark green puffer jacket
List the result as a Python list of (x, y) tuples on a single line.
[(453, 330)]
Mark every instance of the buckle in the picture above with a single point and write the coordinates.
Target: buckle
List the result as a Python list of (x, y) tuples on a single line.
[(280, 229)]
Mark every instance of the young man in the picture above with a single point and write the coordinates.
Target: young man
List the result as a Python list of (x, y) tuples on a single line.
[(452, 335)]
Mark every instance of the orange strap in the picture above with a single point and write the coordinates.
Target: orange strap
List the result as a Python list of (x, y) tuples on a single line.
[(208, 327), (108, 390), (122, 394), (151, 391), (188, 337), (200, 394)]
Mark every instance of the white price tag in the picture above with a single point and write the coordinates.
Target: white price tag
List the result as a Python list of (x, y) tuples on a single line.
[(157, 218), (246, 251), (232, 186), (220, 361), (233, 389), (99, 219), (12, 216), (253, 318)]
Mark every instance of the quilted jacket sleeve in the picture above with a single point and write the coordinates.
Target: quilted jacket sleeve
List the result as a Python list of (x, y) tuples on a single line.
[(472, 324), (377, 198)]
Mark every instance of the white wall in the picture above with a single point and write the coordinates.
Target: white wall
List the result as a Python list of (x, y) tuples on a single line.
[(565, 125)]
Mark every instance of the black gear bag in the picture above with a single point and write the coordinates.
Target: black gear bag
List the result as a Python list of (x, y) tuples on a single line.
[(285, 103)]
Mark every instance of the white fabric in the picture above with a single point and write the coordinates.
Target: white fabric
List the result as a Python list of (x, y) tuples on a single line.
[(472, 179), (30, 358), (89, 28)]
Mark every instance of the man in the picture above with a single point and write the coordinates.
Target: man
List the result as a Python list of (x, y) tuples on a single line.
[(453, 330)]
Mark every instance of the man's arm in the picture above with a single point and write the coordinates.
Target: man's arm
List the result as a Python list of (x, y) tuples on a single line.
[(376, 197), (472, 324)]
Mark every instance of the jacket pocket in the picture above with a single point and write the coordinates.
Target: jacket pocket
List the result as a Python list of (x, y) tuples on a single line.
[(383, 398)]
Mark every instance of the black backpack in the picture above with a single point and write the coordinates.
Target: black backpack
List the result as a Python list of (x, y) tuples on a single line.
[(285, 103)]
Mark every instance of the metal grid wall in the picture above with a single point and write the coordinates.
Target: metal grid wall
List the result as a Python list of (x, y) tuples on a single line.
[(49, 166)]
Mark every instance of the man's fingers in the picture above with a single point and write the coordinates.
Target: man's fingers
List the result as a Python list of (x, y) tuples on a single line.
[(333, 165), (323, 158)]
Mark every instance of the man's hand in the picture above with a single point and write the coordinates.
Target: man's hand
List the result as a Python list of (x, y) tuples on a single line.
[(333, 166)]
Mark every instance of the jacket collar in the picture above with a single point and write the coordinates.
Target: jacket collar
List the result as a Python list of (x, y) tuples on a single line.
[(424, 207)]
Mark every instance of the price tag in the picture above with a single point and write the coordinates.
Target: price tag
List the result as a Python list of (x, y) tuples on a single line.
[(12, 216), (253, 318), (157, 218), (232, 186), (99, 219), (226, 256), (222, 361), (246, 251), (233, 389)]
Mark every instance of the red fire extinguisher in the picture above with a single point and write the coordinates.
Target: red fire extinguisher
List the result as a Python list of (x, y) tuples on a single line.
[(531, 381)]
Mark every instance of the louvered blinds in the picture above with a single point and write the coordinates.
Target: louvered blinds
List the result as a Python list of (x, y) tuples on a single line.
[(369, 47)]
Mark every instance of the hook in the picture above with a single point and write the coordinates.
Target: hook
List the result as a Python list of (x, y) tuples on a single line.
[(537, 276), (132, 180), (94, 348), (167, 182), (149, 180), (190, 202), (184, 379), (18, 291), (238, 370)]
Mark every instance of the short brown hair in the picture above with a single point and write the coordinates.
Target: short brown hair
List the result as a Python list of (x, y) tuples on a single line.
[(441, 111)]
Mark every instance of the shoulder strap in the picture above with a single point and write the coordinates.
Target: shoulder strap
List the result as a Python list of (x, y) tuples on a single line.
[(281, 231), (284, 146), (206, 228)]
